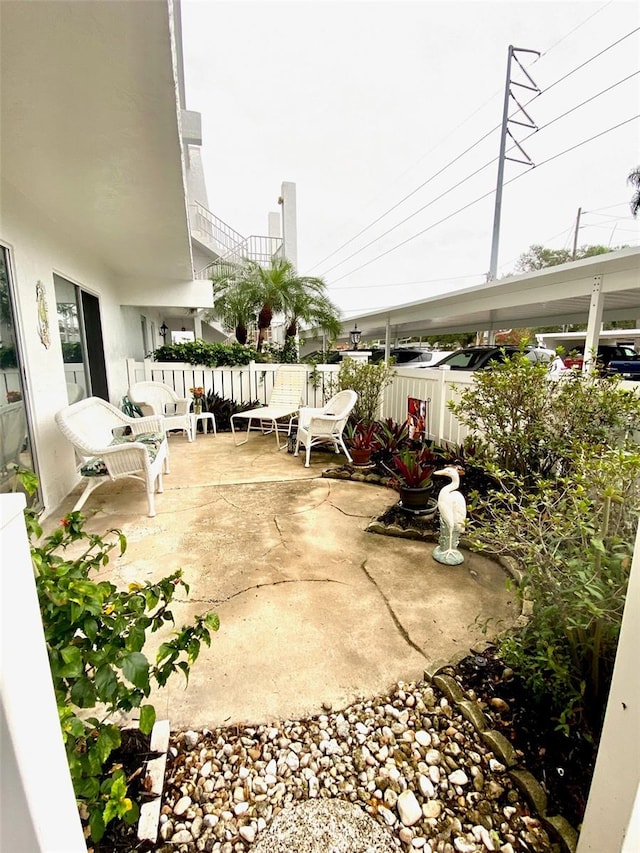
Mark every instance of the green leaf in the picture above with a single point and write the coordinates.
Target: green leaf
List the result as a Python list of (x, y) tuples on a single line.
[(90, 627), (96, 825), (598, 545), (135, 667), (212, 620), (147, 718), (83, 693), (106, 682), (72, 657)]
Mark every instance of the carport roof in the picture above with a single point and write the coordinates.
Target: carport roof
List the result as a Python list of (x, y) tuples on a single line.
[(552, 296)]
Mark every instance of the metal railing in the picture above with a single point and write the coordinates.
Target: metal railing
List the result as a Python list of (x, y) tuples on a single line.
[(224, 236), (258, 248)]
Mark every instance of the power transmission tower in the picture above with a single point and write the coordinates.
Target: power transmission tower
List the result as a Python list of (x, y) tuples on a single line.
[(506, 121)]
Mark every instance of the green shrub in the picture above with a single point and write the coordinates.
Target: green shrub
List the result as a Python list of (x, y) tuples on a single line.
[(368, 381), (222, 409), (8, 357), (95, 634), (208, 354), (567, 461), (71, 352)]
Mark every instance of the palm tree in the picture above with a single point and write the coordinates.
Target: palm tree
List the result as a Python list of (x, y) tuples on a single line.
[(234, 302), (314, 310), (634, 180), (272, 290)]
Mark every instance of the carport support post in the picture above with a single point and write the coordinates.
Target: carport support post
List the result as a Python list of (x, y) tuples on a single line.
[(387, 340), (594, 324)]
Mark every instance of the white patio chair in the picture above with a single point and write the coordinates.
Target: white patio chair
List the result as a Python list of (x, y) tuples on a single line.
[(325, 425), (156, 398), (95, 428), (288, 393)]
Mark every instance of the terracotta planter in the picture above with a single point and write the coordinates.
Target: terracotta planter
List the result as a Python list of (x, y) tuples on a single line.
[(361, 455)]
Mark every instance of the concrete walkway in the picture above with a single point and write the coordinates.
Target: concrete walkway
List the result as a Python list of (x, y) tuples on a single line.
[(313, 609)]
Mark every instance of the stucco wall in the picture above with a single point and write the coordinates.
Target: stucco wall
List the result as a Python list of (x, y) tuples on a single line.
[(38, 249)]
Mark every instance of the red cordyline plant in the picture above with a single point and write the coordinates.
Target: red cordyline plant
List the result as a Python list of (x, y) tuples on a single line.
[(413, 468), (363, 435)]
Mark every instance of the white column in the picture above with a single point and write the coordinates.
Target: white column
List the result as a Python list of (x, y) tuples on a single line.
[(39, 806), (611, 820), (274, 225), (594, 324), (387, 340), (289, 222)]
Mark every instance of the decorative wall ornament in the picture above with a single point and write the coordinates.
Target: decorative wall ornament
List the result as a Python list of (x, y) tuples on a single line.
[(43, 316)]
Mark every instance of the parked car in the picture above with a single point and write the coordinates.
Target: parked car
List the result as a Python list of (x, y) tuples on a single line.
[(481, 357), (606, 354), (410, 357)]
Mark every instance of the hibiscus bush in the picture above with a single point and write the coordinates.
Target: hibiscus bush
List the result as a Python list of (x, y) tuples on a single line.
[(95, 635)]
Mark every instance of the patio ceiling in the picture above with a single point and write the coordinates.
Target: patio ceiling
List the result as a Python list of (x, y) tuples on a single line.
[(90, 130), (552, 296)]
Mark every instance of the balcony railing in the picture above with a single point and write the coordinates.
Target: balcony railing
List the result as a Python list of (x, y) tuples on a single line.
[(223, 236), (255, 248)]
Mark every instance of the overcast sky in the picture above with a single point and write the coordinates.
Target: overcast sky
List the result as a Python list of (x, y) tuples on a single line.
[(362, 104)]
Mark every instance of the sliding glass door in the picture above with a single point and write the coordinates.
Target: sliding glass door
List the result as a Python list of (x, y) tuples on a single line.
[(81, 340), (15, 440)]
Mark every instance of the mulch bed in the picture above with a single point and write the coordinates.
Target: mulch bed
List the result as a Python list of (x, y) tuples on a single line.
[(133, 753), (562, 764)]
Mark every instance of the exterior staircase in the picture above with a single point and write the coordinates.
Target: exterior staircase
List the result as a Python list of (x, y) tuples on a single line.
[(227, 243)]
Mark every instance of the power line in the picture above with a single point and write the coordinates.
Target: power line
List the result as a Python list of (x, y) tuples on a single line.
[(588, 61), (486, 195), (472, 174), (571, 32), (466, 151), (407, 283)]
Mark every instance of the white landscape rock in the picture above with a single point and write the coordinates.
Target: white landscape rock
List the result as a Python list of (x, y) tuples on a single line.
[(408, 808)]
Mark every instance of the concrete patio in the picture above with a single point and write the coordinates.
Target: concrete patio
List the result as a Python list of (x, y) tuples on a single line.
[(313, 609)]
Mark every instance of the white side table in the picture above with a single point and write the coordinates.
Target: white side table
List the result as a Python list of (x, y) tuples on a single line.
[(202, 416)]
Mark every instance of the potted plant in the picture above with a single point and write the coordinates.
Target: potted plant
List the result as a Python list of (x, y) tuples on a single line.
[(361, 439), (412, 470), (198, 397)]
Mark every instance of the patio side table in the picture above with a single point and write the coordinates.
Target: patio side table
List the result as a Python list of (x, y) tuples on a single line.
[(202, 416)]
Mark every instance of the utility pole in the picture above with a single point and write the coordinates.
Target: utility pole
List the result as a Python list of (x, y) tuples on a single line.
[(508, 94), (575, 235)]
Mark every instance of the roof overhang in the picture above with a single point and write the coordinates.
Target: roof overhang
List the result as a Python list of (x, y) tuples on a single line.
[(548, 297), (90, 130)]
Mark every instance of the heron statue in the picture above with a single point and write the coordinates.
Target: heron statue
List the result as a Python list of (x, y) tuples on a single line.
[(453, 513)]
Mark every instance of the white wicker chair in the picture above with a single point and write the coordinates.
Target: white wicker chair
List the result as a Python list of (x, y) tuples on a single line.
[(325, 425), (156, 398), (91, 425), (288, 392)]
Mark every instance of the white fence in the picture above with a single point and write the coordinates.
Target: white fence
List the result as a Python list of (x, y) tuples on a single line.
[(255, 381)]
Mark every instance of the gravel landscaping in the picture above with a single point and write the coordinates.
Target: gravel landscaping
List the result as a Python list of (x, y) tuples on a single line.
[(412, 763)]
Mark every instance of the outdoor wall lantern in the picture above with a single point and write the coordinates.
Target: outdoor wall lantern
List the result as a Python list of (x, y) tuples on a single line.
[(355, 334), (163, 331)]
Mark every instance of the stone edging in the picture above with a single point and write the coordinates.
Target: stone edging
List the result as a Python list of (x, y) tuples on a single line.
[(558, 827), (155, 772)]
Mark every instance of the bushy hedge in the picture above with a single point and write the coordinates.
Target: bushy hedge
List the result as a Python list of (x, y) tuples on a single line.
[(566, 456), (208, 354)]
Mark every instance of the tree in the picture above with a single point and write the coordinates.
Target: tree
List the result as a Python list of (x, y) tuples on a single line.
[(634, 180), (538, 257), (266, 291), (236, 309)]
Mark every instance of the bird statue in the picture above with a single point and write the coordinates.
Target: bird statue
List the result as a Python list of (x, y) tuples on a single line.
[(453, 513)]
